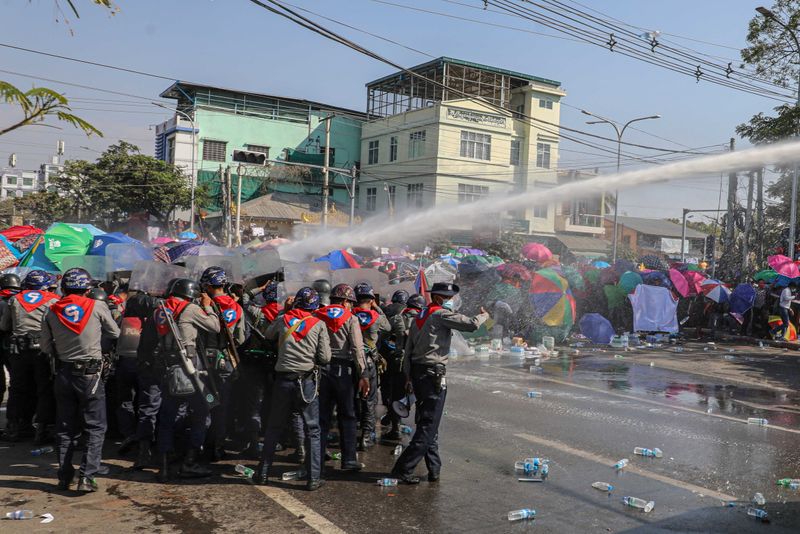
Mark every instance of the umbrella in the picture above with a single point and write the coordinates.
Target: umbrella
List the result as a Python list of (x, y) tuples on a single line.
[(552, 299), (679, 282), (471, 251), (473, 264), (340, 259), (695, 280), (536, 252), (653, 262), (601, 264), (573, 276), (615, 296), (514, 270), (742, 300), (767, 275), (694, 267), (620, 266), (15, 233), (61, 240), (92, 229), (187, 235), (629, 280), (100, 242), (597, 328), (162, 240), (35, 257), (714, 290), (656, 278), (783, 265), (592, 276)]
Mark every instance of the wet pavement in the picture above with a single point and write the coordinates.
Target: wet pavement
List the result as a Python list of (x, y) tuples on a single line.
[(594, 409)]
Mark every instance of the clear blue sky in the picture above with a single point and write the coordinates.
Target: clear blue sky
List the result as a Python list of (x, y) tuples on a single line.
[(233, 43)]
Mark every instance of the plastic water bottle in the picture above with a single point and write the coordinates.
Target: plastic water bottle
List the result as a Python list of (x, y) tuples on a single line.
[(387, 482), (621, 464), (641, 504), (757, 421), (336, 456), (405, 429), (545, 471), (603, 486), (791, 483), (398, 450), (20, 514), (294, 475), (42, 450), (758, 513), (525, 513), (244, 471), (759, 499), (650, 453), (534, 394)]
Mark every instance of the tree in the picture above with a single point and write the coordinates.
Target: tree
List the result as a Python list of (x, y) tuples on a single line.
[(38, 104), (121, 182), (507, 247)]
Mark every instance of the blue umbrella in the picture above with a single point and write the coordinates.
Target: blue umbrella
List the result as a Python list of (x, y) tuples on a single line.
[(597, 328), (742, 300), (601, 264), (100, 242)]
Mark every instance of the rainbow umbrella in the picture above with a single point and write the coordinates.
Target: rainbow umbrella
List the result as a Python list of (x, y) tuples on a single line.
[(715, 290), (552, 299)]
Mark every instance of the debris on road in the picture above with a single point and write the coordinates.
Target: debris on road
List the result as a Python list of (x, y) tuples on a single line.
[(641, 504), (518, 515), (649, 453), (603, 486), (621, 464), (20, 514)]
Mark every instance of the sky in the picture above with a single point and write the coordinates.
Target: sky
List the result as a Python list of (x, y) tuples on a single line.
[(234, 43)]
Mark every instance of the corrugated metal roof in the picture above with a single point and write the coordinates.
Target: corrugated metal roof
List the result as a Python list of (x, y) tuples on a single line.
[(656, 227), (285, 207), (579, 243)]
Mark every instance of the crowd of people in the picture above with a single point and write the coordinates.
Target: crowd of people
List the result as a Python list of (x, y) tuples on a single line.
[(182, 379)]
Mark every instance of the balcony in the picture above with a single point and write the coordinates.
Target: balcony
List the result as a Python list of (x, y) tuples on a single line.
[(582, 223)]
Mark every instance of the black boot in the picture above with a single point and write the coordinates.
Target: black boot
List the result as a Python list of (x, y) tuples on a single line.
[(190, 468), (261, 476), (163, 468), (126, 445), (12, 432), (143, 458)]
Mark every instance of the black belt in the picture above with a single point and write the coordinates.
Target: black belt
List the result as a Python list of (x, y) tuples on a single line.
[(341, 362), (89, 367), (293, 376)]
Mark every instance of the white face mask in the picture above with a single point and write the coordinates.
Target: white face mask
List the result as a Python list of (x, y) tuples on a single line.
[(448, 305)]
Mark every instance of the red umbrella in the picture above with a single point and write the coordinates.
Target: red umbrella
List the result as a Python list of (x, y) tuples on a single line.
[(695, 280), (679, 282), (536, 252), (17, 232), (783, 265)]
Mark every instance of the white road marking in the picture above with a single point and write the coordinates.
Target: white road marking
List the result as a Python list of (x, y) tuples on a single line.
[(303, 512), (630, 468)]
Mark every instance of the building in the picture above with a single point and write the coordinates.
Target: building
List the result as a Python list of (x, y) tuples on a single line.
[(579, 221), (275, 127), (656, 236), (459, 136), (16, 183)]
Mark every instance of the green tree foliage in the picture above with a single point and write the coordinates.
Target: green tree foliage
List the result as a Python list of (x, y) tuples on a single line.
[(121, 182), (38, 104), (507, 247)]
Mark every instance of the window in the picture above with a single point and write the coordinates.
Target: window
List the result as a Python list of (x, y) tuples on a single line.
[(516, 151), (372, 153), (391, 190), (372, 198), (214, 150), (259, 148), (393, 149), (471, 193), (475, 145), (27, 182), (540, 212), (519, 112), (416, 144), (170, 150), (11, 180), (543, 155), (545, 103), (414, 196)]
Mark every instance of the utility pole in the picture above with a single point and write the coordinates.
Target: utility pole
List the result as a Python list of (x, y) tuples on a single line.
[(353, 178), (683, 235), (760, 212), (325, 171), (227, 193), (748, 219), (239, 170), (730, 227)]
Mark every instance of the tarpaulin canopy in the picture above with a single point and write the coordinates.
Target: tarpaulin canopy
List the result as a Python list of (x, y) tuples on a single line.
[(62, 240), (597, 328), (654, 309), (340, 259), (100, 242), (15, 233), (784, 266), (552, 299), (536, 252)]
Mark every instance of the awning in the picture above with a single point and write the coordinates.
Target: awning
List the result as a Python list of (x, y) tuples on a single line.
[(580, 245)]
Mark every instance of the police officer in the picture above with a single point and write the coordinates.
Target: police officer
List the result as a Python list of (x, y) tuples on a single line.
[(31, 382), (303, 346), (393, 381), (10, 285), (347, 368), (191, 320), (220, 350), (72, 332), (323, 289), (427, 348), (373, 325)]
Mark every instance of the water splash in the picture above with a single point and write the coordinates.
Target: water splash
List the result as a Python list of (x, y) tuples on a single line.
[(433, 220)]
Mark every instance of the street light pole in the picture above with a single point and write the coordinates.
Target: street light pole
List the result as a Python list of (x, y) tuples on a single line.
[(620, 132), (793, 203), (193, 184)]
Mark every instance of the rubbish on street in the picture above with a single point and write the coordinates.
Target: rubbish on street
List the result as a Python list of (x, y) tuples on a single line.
[(244, 471), (336, 456), (397, 450), (405, 429), (534, 394), (20, 514), (42, 450), (496, 391), (618, 356), (387, 482), (530, 479), (759, 499), (649, 453), (294, 475), (621, 464), (791, 483), (641, 504), (602, 486), (525, 513), (46, 518), (758, 513), (757, 421)]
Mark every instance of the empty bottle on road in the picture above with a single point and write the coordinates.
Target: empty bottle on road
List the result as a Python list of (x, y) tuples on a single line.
[(641, 504), (603, 486), (650, 453), (525, 513)]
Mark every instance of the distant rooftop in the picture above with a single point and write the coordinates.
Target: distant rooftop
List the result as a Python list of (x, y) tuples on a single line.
[(656, 227)]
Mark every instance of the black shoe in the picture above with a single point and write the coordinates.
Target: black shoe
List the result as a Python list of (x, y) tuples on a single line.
[(42, 436), (126, 445), (218, 454), (65, 481), (433, 477), (364, 444), (406, 479), (144, 456), (313, 485), (352, 466), (386, 420), (393, 435), (261, 476), (12, 432), (190, 468), (87, 485), (163, 468)]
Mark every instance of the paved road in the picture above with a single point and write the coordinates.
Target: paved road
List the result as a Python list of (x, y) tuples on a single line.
[(594, 409)]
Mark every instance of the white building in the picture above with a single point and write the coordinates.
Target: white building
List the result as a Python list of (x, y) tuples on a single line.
[(16, 183)]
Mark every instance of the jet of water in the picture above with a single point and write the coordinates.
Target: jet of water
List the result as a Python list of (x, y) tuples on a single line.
[(420, 224)]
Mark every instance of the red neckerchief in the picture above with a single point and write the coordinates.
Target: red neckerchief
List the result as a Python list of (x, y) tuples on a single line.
[(271, 310), (410, 311), (308, 322), (74, 311), (229, 309), (424, 314), (115, 299), (334, 316), (33, 298), (366, 318), (174, 306), (5, 293)]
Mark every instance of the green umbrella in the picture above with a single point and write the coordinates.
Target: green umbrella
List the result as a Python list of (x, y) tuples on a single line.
[(62, 240), (694, 267), (767, 275)]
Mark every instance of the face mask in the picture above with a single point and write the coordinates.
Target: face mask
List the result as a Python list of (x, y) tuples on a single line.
[(448, 305)]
